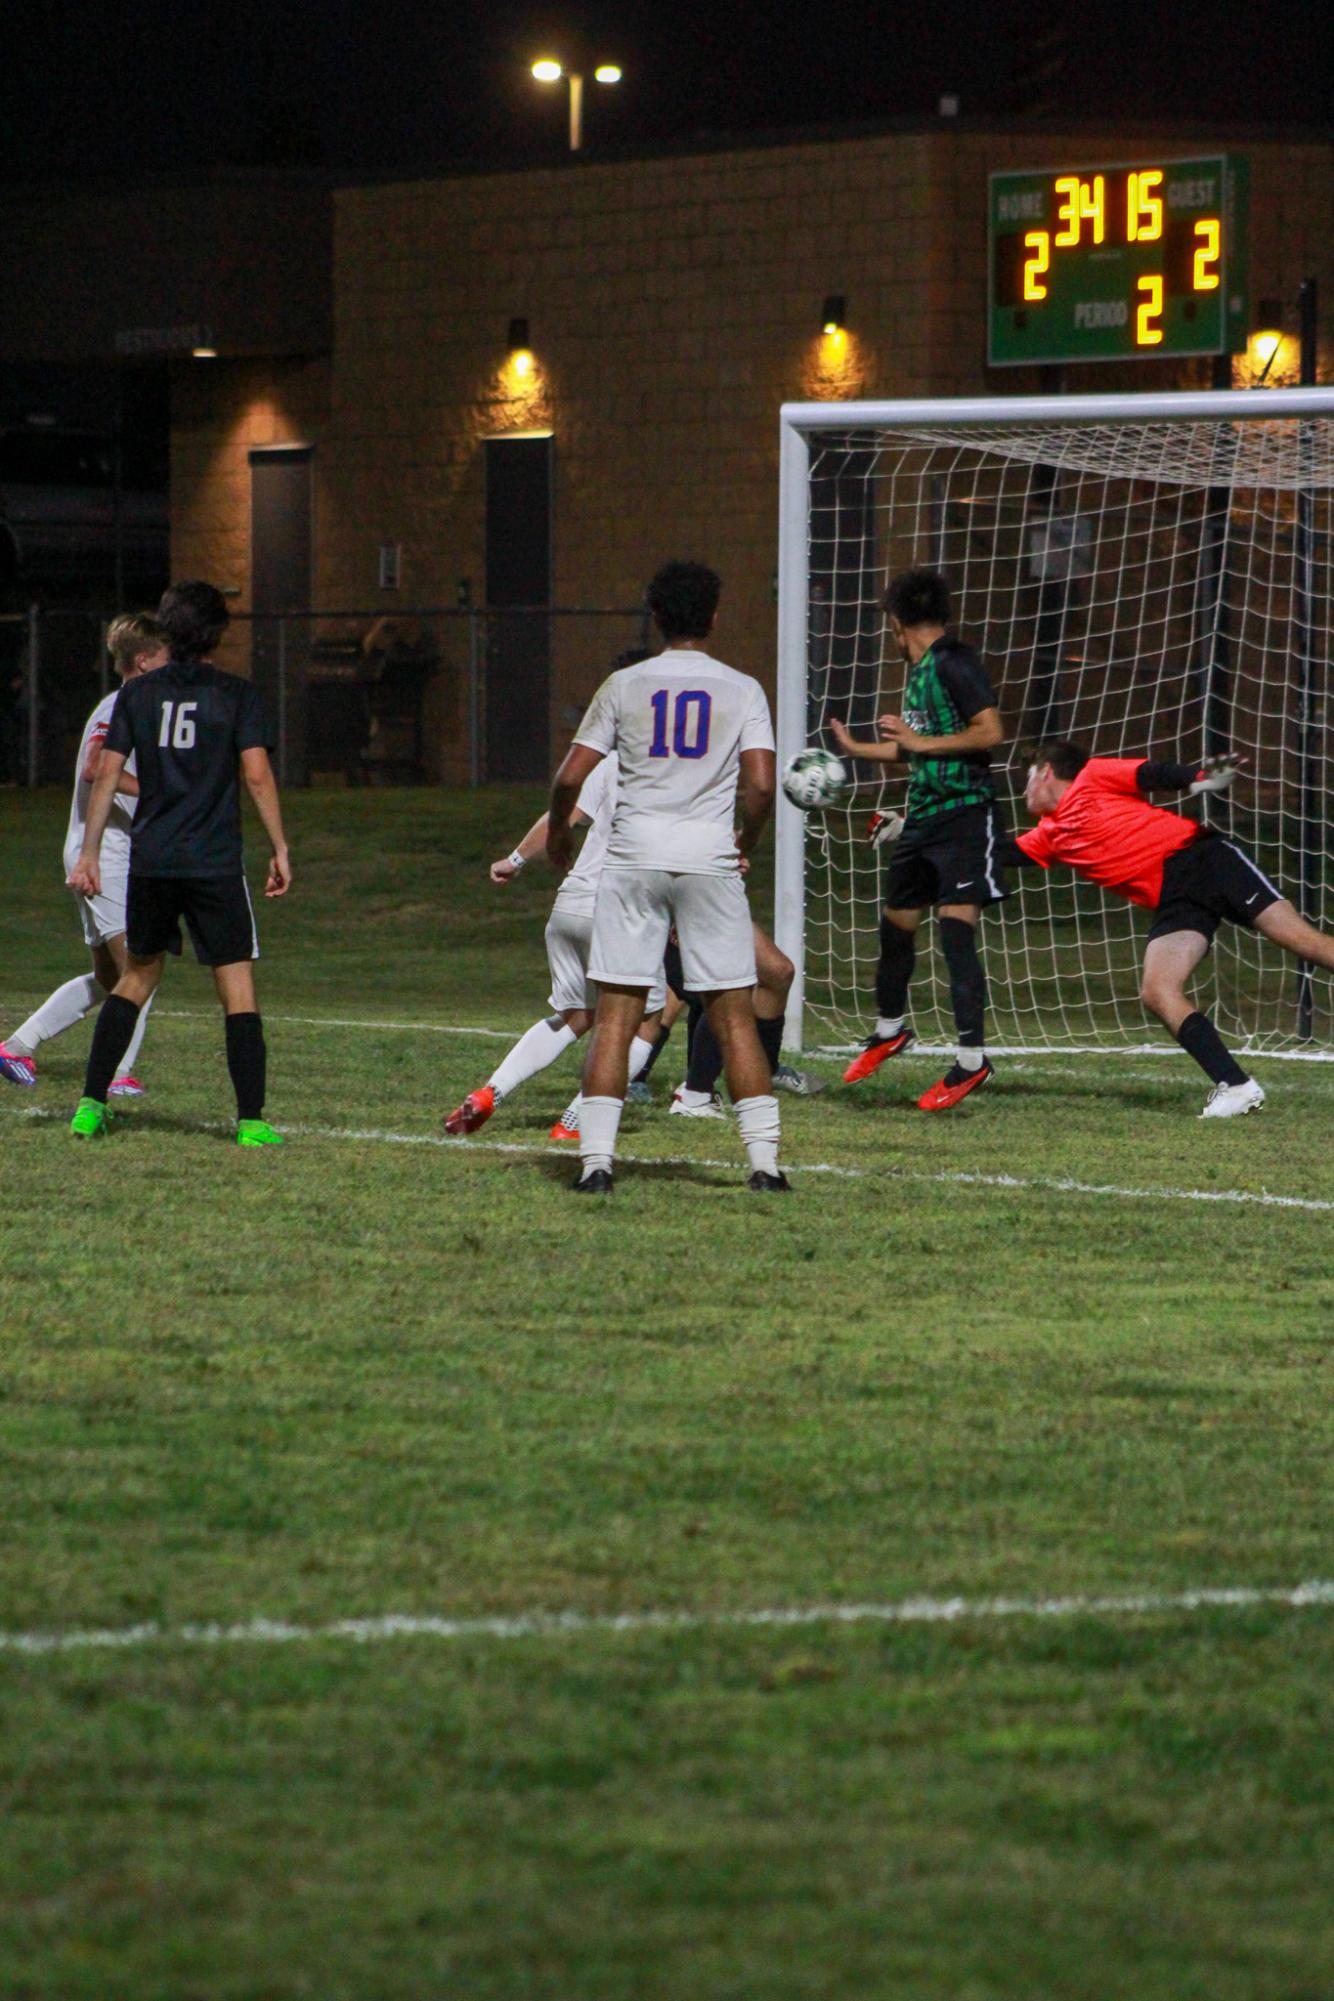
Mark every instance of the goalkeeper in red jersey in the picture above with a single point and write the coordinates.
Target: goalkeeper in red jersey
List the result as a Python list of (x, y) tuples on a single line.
[(1095, 817)]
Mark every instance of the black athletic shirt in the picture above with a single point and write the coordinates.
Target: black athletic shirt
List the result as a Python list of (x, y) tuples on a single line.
[(187, 725)]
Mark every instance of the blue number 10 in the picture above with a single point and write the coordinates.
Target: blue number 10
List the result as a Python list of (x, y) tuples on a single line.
[(690, 723)]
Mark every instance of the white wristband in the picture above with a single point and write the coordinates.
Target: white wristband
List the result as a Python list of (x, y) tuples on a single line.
[(517, 860)]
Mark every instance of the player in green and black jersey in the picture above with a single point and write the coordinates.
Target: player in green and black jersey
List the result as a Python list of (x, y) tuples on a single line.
[(946, 856)]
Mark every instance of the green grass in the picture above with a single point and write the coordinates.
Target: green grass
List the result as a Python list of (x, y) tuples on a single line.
[(355, 1377)]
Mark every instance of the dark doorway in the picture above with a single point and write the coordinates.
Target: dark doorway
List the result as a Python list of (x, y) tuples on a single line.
[(280, 565), (518, 591)]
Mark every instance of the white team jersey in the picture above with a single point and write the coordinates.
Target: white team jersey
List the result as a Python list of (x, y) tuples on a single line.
[(679, 724), (597, 798), (116, 839)]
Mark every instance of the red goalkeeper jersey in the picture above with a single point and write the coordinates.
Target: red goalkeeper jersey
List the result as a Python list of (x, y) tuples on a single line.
[(1106, 829)]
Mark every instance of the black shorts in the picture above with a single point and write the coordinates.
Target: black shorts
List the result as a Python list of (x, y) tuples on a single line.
[(950, 859), (1206, 882), (217, 911)]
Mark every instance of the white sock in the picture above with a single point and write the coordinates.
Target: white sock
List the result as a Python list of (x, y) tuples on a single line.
[(970, 1059), (64, 1007), (532, 1052), (884, 1026), (640, 1051), (127, 1061), (599, 1121), (757, 1119)]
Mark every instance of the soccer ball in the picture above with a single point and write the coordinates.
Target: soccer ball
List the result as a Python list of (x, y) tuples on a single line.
[(814, 779)]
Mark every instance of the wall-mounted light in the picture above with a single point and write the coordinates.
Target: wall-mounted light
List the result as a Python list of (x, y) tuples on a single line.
[(521, 353), (833, 314)]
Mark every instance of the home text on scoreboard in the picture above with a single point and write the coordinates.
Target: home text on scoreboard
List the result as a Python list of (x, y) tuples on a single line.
[(1114, 262)]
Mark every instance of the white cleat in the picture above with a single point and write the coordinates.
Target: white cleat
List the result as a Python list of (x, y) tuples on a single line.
[(1229, 1101), (698, 1107)]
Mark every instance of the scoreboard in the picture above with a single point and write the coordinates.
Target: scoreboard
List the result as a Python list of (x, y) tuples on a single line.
[(1117, 262)]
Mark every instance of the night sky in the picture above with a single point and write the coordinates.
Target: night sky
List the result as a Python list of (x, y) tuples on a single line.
[(362, 89)]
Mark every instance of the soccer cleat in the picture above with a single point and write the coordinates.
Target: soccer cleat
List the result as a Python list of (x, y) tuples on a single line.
[(90, 1121), (877, 1049), (17, 1069), (761, 1183), (711, 1109), (637, 1092), (475, 1110), (801, 1083), (125, 1087), (953, 1087), (597, 1181), (257, 1132), (1232, 1101), (563, 1131)]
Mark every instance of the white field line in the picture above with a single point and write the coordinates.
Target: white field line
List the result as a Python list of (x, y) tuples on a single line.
[(567, 1625), (1048, 1184), (827, 1051)]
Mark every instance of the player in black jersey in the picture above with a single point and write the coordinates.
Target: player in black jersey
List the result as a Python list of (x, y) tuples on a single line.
[(197, 734), (946, 855)]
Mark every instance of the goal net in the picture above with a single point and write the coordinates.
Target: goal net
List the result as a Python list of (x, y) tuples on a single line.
[(1149, 575)]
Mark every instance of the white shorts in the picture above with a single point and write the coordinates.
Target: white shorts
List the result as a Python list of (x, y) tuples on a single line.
[(637, 907), (569, 937), (103, 916)]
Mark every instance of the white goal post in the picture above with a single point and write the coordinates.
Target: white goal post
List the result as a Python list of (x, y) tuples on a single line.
[(1148, 574)]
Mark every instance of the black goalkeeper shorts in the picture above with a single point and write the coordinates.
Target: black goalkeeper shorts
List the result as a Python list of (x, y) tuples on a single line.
[(1206, 882), (217, 911), (949, 859)]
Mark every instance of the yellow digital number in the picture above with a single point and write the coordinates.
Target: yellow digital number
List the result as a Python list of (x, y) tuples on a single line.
[(1093, 205), (1144, 208), (1037, 263), (1208, 245), (1068, 212), (1149, 309)]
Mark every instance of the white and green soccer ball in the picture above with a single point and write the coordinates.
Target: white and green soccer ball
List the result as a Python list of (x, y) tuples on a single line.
[(815, 779)]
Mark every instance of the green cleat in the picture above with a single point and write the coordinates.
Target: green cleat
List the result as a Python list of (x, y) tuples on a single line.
[(91, 1119), (256, 1132)]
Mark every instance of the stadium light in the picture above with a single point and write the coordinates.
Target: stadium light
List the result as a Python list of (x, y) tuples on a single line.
[(548, 70)]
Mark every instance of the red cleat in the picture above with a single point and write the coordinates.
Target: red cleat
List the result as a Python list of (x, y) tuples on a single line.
[(475, 1110), (878, 1050), (946, 1094), (561, 1131)]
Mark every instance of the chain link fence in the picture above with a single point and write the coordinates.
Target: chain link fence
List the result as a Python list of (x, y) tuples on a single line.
[(421, 695)]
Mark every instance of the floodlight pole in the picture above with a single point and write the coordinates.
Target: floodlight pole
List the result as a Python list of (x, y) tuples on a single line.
[(576, 112)]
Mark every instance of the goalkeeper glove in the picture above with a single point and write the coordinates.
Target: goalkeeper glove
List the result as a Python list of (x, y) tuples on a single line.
[(883, 829), (1216, 774)]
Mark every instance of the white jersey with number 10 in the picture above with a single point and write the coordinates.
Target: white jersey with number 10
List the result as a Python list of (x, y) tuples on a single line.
[(678, 724)]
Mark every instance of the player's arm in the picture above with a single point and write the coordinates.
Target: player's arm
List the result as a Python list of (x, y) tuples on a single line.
[(129, 784), (1215, 774), (533, 843), (577, 766), (851, 746), (1027, 850), (757, 781), (263, 789), (86, 875), (984, 732)]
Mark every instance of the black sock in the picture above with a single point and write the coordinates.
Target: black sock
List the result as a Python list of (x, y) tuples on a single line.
[(771, 1038), (658, 1048), (247, 1064), (1200, 1039), (968, 983), (706, 1058), (898, 956), (111, 1039)]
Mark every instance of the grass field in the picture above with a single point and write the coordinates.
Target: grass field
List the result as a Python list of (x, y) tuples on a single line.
[(1069, 1344)]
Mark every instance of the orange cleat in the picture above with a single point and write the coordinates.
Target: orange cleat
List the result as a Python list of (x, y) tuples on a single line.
[(561, 1131), (953, 1087), (475, 1110), (877, 1050)]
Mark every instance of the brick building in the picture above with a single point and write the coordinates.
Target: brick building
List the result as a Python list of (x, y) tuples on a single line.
[(672, 303)]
